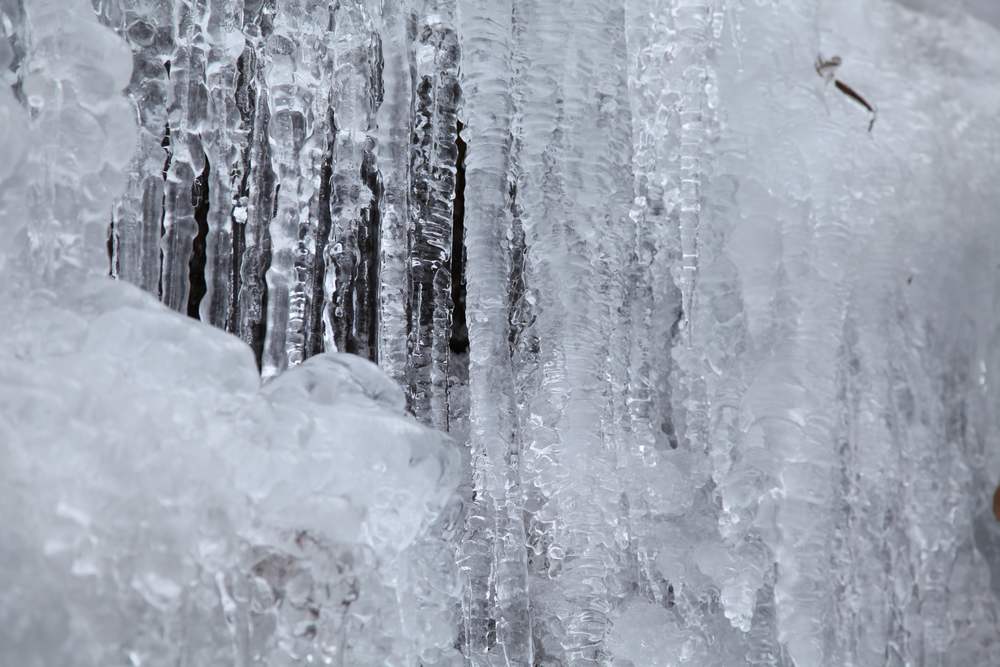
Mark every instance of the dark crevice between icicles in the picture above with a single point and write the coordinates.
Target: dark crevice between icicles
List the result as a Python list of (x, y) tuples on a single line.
[(196, 267), (113, 267), (314, 333), (315, 327), (259, 326), (166, 145), (168, 151), (239, 242), (368, 252), (459, 342), (515, 281), (238, 236), (251, 260), (667, 426)]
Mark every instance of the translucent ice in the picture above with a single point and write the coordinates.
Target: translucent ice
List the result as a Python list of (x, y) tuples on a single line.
[(716, 353)]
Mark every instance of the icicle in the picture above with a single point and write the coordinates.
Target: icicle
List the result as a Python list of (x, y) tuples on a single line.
[(187, 114), (224, 142), (693, 24), (391, 153), (573, 192), (497, 625), (434, 63), (350, 287), (296, 73), (255, 204)]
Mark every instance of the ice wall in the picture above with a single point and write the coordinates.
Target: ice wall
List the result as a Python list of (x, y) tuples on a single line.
[(712, 323), (162, 506)]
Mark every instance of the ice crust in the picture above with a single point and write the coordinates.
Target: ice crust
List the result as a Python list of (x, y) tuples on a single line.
[(686, 363)]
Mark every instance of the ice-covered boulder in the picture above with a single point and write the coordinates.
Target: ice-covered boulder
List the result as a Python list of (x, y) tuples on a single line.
[(162, 506)]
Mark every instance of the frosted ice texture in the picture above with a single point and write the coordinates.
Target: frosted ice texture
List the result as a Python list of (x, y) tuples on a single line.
[(723, 361), (168, 508)]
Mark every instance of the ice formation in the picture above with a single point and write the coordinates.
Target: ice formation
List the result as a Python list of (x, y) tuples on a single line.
[(678, 358)]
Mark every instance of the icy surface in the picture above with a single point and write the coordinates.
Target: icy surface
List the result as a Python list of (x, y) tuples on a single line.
[(164, 508), (703, 292)]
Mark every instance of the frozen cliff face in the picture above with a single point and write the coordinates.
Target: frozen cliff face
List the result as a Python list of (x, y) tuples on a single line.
[(703, 291)]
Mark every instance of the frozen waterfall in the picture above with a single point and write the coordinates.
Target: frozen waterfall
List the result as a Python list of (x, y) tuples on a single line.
[(630, 333)]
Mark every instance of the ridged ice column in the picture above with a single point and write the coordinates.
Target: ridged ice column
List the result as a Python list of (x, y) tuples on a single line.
[(296, 70), (497, 626), (138, 214), (572, 188), (391, 155), (187, 112), (224, 141)]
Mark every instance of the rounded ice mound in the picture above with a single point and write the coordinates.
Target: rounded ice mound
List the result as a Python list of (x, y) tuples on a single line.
[(343, 377), (341, 459), (163, 507)]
